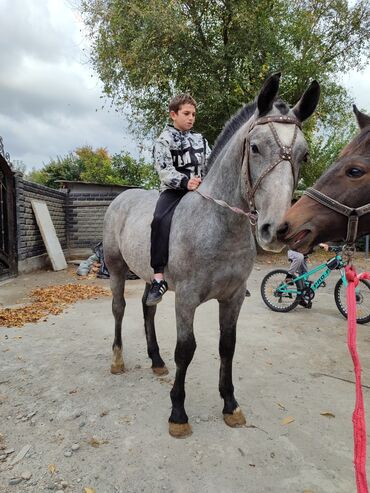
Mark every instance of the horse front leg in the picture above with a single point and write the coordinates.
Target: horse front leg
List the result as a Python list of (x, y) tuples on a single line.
[(179, 426), (158, 366), (229, 313)]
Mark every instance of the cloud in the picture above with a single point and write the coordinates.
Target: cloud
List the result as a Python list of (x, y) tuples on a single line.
[(358, 84), (50, 99)]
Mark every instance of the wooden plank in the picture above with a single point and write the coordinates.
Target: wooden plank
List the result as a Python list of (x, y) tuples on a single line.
[(49, 235)]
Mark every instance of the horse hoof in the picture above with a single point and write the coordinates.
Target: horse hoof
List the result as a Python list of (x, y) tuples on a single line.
[(178, 430), (117, 369), (160, 371), (236, 419)]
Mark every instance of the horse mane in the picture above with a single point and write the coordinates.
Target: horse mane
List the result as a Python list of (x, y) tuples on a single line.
[(360, 145), (235, 122)]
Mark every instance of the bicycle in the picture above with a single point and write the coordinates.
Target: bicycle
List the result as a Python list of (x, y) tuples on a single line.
[(283, 295)]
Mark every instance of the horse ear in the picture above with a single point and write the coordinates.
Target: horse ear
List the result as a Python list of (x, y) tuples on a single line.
[(362, 119), (268, 93), (308, 102)]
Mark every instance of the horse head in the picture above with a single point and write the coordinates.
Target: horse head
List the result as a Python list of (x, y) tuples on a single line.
[(337, 207), (274, 150)]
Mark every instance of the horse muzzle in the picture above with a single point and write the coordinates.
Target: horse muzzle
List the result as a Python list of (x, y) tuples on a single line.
[(266, 234)]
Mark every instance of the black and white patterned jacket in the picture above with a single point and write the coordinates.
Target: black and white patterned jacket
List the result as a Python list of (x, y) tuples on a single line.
[(178, 156)]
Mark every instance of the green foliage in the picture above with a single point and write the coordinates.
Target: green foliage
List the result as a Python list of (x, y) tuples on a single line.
[(136, 173), (62, 168), (221, 52), (85, 164), (325, 146)]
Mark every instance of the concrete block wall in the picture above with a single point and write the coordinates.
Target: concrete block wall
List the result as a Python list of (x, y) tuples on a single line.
[(77, 212), (29, 240), (85, 215)]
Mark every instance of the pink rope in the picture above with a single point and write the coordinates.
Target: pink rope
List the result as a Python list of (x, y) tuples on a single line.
[(358, 417)]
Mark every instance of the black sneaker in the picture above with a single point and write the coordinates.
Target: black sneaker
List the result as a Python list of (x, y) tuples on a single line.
[(157, 290)]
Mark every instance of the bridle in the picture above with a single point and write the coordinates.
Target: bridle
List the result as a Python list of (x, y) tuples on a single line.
[(285, 153), (353, 214)]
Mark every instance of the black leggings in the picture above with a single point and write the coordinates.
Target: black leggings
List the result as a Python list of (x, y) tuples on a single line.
[(161, 226)]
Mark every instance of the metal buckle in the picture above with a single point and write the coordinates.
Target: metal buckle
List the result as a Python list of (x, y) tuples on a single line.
[(348, 252), (286, 153), (253, 217)]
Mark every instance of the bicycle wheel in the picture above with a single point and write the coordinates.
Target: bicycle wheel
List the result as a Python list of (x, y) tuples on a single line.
[(274, 292), (362, 300)]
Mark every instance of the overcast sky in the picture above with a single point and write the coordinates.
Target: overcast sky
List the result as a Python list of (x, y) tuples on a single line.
[(50, 99)]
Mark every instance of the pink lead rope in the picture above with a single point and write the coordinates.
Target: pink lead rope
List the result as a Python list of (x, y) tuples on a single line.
[(358, 417)]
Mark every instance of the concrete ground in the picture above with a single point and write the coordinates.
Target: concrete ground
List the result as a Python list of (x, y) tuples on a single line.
[(73, 425)]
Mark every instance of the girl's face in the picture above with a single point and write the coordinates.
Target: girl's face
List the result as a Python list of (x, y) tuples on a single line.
[(184, 118)]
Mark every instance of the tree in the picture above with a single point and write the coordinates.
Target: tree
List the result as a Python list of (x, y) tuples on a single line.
[(85, 164), (221, 51), (62, 168), (135, 173), (325, 146)]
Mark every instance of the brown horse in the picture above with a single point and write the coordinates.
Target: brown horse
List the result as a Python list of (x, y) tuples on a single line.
[(337, 208)]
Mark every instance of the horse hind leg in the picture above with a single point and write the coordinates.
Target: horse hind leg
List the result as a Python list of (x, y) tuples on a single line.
[(158, 365), (117, 284), (229, 312)]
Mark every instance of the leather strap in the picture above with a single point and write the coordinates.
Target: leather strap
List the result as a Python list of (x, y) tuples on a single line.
[(353, 214)]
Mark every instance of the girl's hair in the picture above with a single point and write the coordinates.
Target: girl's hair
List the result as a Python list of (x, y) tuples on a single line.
[(179, 100)]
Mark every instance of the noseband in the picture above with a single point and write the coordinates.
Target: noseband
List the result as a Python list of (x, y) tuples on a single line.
[(353, 214), (285, 153)]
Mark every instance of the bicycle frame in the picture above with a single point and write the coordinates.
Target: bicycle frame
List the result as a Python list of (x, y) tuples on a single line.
[(316, 284)]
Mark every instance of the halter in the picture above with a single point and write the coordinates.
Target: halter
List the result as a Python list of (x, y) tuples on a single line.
[(353, 214), (284, 155)]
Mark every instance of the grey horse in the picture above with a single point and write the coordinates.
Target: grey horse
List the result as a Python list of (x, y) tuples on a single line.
[(254, 168)]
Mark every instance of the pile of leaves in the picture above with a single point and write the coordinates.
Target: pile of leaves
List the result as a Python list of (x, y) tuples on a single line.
[(50, 300)]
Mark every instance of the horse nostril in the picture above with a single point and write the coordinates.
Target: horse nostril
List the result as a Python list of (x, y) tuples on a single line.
[(265, 231), (282, 230)]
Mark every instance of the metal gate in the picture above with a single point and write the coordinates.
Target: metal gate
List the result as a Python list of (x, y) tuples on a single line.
[(8, 249)]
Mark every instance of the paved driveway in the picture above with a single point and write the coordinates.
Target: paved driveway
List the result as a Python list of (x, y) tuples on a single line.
[(84, 427)]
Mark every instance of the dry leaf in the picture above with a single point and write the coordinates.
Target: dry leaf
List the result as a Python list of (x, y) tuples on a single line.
[(95, 442), (49, 301), (287, 420), (52, 468), (89, 490), (328, 414), (308, 491), (73, 391), (281, 406)]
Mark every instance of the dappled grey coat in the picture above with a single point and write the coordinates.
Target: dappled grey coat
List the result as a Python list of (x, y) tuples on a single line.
[(178, 156)]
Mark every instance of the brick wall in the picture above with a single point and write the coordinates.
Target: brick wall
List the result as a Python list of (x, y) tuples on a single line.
[(30, 243)]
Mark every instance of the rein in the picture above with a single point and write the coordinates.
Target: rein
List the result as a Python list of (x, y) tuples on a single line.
[(251, 215), (284, 155), (353, 214)]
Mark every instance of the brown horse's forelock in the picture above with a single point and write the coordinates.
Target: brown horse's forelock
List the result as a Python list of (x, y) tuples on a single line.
[(359, 146)]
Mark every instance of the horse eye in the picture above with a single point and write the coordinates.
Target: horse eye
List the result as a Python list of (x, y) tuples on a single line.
[(306, 157), (355, 172), (254, 149)]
